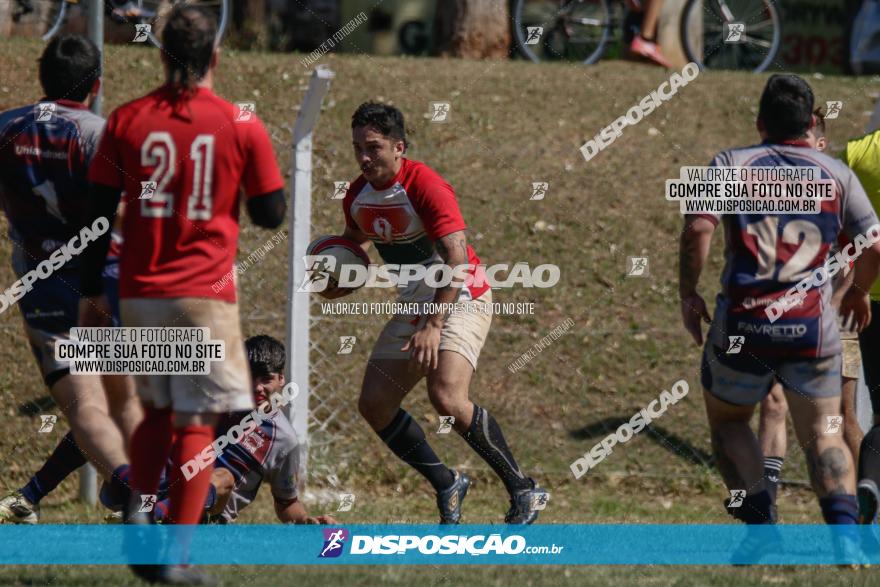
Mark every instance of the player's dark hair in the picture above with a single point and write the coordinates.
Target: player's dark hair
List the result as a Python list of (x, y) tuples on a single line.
[(265, 355), (786, 107), (385, 118), (188, 44), (819, 129), (69, 66)]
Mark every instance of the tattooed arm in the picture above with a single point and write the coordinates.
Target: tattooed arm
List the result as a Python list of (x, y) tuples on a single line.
[(425, 344), (692, 254)]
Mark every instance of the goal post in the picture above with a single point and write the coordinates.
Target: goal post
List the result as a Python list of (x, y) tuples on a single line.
[(298, 314)]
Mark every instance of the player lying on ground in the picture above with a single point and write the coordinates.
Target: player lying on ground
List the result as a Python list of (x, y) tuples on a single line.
[(44, 156), (411, 215), (270, 453), (194, 154), (762, 265), (771, 428)]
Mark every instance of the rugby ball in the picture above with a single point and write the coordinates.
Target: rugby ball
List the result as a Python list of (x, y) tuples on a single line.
[(341, 251)]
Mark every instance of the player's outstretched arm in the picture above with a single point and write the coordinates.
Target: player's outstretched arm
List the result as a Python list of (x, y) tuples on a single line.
[(692, 254)]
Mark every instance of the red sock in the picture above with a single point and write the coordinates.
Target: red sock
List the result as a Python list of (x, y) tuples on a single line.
[(188, 497), (150, 447)]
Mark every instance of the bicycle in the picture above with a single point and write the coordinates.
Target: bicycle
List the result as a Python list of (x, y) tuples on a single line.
[(723, 34), (54, 15)]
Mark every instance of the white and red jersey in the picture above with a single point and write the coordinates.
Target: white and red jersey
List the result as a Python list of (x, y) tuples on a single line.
[(189, 158), (405, 218)]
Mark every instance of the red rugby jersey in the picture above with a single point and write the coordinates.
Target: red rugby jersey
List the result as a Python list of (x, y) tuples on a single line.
[(405, 218), (193, 156)]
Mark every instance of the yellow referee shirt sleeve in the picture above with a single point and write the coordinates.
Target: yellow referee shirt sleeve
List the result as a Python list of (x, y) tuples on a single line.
[(862, 155)]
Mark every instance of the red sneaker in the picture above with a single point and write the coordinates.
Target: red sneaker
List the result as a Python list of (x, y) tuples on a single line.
[(649, 50)]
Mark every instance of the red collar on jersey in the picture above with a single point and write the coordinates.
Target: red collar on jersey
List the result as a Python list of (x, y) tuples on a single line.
[(792, 142), (67, 103)]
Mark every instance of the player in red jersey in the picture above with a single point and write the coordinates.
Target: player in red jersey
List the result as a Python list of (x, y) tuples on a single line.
[(411, 215), (180, 155)]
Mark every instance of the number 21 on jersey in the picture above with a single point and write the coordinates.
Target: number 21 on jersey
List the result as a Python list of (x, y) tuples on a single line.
[(159, 152)]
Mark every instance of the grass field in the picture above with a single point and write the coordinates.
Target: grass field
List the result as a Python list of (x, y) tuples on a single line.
[(512, 123)]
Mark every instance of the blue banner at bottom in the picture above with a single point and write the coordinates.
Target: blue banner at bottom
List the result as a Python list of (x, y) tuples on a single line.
[(620, 544)]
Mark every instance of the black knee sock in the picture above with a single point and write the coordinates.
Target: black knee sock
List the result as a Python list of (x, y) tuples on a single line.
[(869, 456), (772, 474), (755, 509), (486, 438), (407, 440), (64, 460)]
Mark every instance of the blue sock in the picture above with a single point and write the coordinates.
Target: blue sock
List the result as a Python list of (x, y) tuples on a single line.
[(64, 460), (116, 492), (212, 497), (32, 491), (840, 509)]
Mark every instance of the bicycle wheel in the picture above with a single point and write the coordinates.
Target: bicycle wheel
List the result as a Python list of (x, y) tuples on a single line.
[(48, 16), (567, 30), (731, 34), (156, 11)]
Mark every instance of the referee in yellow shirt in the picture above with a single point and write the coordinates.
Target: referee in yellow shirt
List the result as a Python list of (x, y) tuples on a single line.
[(863, 157)]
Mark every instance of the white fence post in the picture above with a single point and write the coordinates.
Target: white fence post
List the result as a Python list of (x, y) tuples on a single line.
[(88, 477), (298, 316)]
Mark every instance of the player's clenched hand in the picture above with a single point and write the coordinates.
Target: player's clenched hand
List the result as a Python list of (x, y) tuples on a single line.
[(325, 520), (693, 310), (94, 312), (858, 304), (424, 347)]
